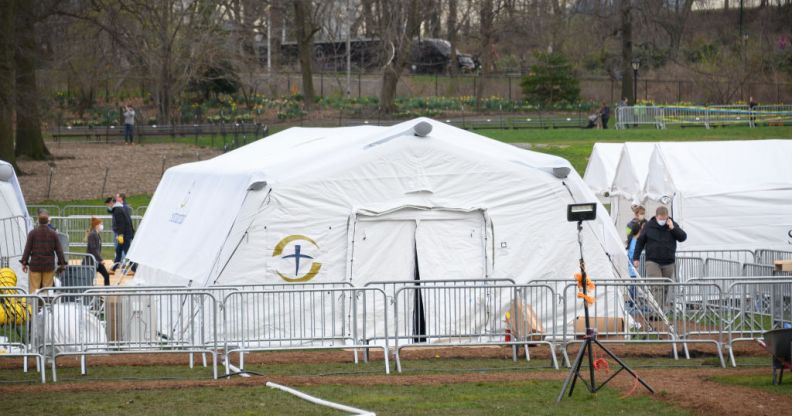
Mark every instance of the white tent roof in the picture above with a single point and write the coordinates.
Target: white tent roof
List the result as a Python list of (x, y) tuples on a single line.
[(630, 173), (12, 203), (707, 168), (730, 194), (198, 206), (601, 167)]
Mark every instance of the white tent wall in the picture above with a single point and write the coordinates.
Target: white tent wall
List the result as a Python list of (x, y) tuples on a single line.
[(628, 184), (451, 196), (601, 168), (726, 195), (14, 221)]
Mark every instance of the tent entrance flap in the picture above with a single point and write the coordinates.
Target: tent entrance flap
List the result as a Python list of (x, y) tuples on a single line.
[(432, 244)]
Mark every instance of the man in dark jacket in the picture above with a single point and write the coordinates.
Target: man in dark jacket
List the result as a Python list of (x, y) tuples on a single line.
[(122, 228), (659, 237), (39, 256)]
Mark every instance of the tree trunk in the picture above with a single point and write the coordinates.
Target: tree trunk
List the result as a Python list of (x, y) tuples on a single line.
[(276, 20), (395, 66), (7, 81), (29, 141), (305, 31), (625, 10), (486, 19), (451, 27)]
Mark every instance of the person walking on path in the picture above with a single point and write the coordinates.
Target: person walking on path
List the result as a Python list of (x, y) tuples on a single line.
[(122, 228), (659, 238), (38, 258), (94, 240), (604, 115)]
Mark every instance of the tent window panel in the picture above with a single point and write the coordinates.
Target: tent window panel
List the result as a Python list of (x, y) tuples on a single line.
[(383, 250)]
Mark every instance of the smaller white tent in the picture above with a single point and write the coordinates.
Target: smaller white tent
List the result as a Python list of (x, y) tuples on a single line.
[(13, 221), (628, 183), (726, 195), (601, 168)]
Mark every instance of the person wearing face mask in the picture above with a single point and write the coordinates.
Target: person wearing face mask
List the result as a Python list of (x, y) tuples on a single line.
[(636, 223), (95, 247), (659, 238)]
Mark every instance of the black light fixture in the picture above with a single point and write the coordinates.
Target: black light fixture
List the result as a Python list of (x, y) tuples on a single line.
[(636, 65)]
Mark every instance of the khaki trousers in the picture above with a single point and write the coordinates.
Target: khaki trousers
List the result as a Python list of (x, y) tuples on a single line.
[(38, 280)]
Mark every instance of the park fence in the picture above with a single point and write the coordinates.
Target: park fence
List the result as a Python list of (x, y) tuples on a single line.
[(227, 323), (661, 117)]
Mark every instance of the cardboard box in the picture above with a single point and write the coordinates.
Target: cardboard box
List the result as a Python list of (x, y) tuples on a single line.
[(522, 321), (783, 265), (602, 325)]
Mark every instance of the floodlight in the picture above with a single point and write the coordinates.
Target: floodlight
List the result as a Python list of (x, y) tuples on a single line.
[(581, 212)]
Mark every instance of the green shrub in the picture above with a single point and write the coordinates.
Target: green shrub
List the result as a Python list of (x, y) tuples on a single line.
[(551, 80)]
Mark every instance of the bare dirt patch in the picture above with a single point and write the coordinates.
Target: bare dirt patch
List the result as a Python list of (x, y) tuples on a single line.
[(79, 169)]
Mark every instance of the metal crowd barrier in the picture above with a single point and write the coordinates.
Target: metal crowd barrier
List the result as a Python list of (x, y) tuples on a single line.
[(453, 316), (13, 235), (136, 322), (741, 256), (662, 116), (725, 268), (328, 318), (54, 210), (757, 306), (674, 313), (770, 256), (688, 268), (75, 227), (19, 334)]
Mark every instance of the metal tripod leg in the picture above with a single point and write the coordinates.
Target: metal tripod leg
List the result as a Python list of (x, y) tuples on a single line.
[(574, 370)]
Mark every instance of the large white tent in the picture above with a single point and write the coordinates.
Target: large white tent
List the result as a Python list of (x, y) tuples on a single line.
[(13, 220), (732, 194), (601, 168), (364, 204), (628, 183)]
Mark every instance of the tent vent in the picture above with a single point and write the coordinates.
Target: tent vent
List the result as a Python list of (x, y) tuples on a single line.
[(422, 129), (561, 172), (257, 186)]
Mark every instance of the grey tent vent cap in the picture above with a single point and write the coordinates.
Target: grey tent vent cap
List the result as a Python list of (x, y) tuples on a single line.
[(561, 172), (422, 129)]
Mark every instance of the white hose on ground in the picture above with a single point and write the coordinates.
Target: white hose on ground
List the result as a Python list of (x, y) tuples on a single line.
[(236, 369), (321, 402)]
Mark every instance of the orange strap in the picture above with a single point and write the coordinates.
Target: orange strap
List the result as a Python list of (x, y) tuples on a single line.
[(588, 298)]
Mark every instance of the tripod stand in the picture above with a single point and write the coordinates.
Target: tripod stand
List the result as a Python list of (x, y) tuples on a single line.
[(586, 350)]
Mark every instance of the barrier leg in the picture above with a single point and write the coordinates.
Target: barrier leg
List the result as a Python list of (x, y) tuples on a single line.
[(41, 368), (54, 369), (214, 364), (398, 360), (83, 366), (241, 360), (203, 355), (527, 353), (514, 352), (192, 363), (385, 354), (553, 359)]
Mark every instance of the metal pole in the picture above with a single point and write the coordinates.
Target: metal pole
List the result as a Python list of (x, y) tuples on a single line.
[(269, 41), (635, 86)]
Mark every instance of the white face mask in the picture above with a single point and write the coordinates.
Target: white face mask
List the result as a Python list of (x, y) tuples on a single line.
[(661, 222), (100, 228)]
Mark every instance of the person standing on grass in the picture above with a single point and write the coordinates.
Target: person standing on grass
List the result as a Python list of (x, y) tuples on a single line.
[(95, 247), (752, 104), (604, 115), (122, 229), (41, 248), (129, 124), (659, 238)]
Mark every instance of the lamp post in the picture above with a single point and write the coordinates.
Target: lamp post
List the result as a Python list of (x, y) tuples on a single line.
[(636, 65)]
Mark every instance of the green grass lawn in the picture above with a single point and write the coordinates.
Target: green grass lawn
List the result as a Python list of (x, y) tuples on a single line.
[(534, 397), (575, 144), (762, 382)]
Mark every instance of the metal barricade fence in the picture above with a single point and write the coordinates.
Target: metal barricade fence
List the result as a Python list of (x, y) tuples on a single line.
[(75, 226), (390, 287), (452, 316), (638, 115), (19, 328), (141, 210), (757, 306), (741, 256), (175, 321), (769, 256), (84, 210), (688, 268), (753, 269), (13, 235), (329, 318), (53, 210), (674, 313), (722, 268)]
